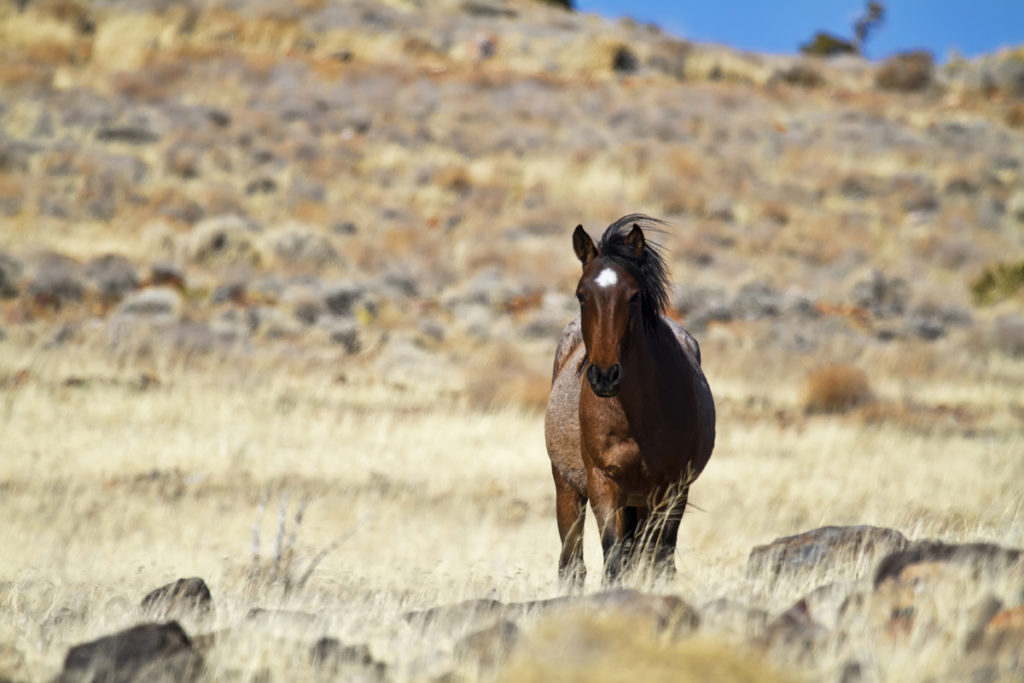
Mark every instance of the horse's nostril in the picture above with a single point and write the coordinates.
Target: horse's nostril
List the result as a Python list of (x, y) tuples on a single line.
[(614, 374)]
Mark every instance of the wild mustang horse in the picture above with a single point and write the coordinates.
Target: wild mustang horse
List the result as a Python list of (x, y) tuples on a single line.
[(630, 421)]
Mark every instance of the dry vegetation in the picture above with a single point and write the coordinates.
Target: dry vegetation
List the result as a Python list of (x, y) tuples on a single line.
[(296, 275)]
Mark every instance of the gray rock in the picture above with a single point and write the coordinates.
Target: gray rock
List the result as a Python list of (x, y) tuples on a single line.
[(346, 662), (140, 653), (298, 245), (112, 275), (183, 597), (158, 302), (488, 646), (224, 240), (824, 554), (11, 270), (56, 279), (884, 297), (341, 298)]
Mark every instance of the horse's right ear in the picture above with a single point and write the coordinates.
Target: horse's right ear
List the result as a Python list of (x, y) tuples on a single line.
[(583, 245)]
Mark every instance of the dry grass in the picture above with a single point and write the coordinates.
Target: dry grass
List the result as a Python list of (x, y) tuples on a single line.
[(113, 486), (836, 389)]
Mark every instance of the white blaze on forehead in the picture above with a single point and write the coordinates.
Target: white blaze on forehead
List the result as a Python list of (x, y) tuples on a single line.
[(606, 278)]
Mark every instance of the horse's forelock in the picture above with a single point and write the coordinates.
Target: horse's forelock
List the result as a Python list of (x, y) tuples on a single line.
[(648, 268)]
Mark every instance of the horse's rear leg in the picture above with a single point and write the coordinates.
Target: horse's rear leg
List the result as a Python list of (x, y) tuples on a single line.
[(571, 512)]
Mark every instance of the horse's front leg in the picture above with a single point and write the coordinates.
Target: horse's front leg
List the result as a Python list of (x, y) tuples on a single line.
[(571, 512), (664, 523), (614, 522)]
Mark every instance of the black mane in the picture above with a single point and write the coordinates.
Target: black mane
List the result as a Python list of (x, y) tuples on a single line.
[(648, 269)]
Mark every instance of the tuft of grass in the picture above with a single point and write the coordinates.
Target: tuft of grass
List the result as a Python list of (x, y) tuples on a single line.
[(836, 388)]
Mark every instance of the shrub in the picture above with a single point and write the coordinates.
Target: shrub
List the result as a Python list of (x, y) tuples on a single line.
[(998, 282), (836, 388)]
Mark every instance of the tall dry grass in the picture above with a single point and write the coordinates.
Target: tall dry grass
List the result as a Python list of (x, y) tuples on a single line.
[(413, 498)]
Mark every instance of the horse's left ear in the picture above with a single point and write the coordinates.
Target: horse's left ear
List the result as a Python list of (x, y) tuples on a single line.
[(636, 240)]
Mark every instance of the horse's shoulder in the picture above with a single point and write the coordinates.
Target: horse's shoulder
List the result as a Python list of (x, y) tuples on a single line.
[(685, 339), (572, 337)]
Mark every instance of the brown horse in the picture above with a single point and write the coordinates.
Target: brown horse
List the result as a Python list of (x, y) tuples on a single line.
[(630, 421)]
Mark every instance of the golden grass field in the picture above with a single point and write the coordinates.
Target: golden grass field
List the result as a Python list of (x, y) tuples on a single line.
[(110, 490), (277, 154)]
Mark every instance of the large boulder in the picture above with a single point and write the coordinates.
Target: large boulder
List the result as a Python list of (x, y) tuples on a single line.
[(144, 652), (822, 555), (183, 597)]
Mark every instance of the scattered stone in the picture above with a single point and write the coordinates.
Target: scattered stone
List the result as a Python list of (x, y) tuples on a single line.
[(141, 653), (224, 240), (980, 558), (796, 633), (56, 280), (11, 271), (488, 646), (112, 275), (298, 245), (825, 554), (133, 135), (346, 662), (167, 275), (156, 302), (341, 298), (734, 618), (183, 597), (883, 296), (757, 300)]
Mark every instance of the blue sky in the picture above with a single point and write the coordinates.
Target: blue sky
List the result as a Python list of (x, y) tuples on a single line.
[(969, 27)]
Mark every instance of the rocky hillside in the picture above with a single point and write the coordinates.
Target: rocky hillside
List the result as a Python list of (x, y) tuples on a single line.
[(402, 177)]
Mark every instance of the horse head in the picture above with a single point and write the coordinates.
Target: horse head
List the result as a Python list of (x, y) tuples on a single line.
[(611, 301)]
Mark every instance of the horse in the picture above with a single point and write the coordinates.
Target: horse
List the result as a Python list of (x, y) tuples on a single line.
[(630, 420)]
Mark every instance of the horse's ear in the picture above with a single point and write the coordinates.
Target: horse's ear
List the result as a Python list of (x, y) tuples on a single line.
[(583, 245), (636, 240)]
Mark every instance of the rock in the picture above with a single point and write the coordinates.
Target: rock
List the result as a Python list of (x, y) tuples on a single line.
[(341, 298), (906, 72), (157, 302), (131, 134), (298, 245), (795, 633), (141, 653), (488, 646), (734, 618), (225, 241), (343, 331), (458, 613), (112, 275), (56, 280), (346, 662), (167, 275), (930, 321), (183, 597), (11, 270), (755, 301), (884, 297), (827, 553), (979, 558), (305, 301), (666, 613)]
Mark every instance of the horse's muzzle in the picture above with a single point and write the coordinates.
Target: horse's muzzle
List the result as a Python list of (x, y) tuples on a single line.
[(605, 383)]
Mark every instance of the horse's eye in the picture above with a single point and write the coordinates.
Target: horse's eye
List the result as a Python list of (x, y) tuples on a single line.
[(634, 299), (579, 297)]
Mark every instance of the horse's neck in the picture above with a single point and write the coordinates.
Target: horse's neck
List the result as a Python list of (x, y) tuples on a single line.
[(654, 364)]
